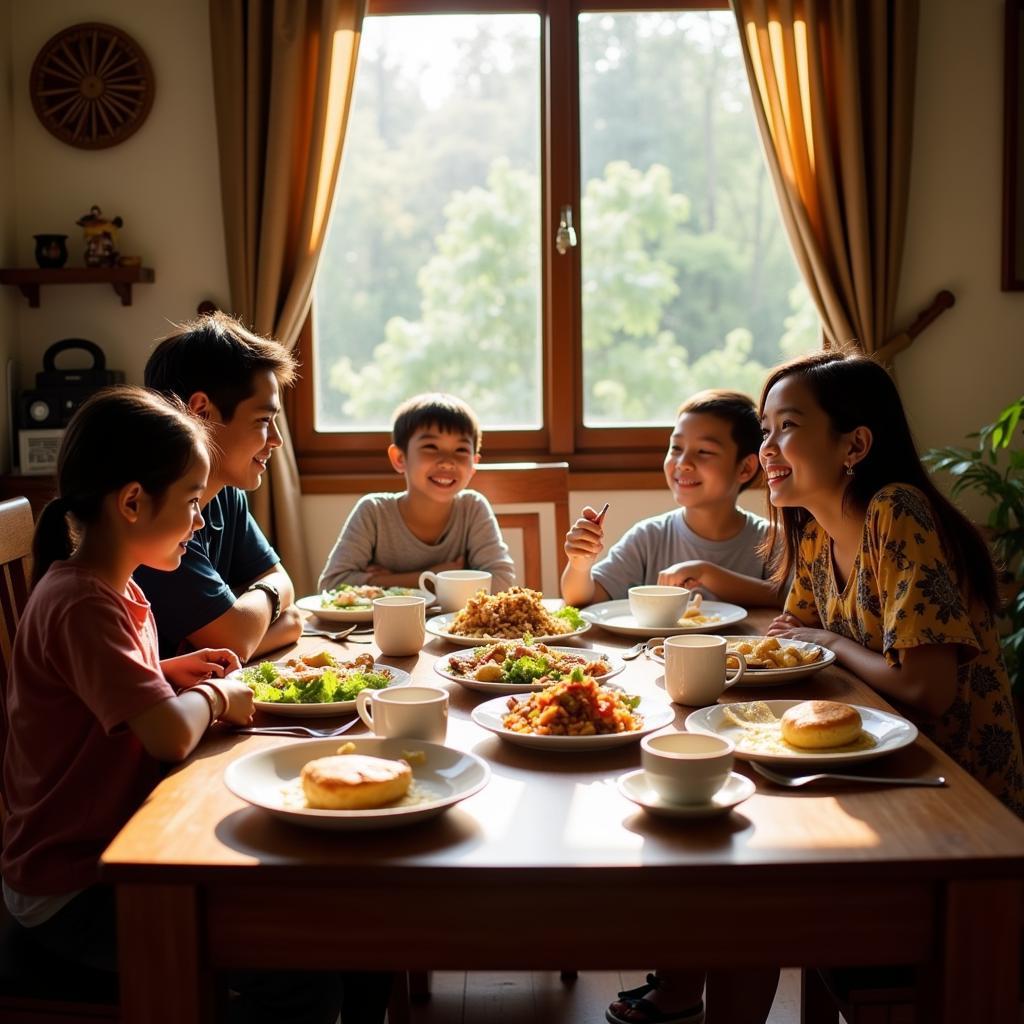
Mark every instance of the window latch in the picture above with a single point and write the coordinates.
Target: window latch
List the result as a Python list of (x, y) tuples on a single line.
[(565, 236)]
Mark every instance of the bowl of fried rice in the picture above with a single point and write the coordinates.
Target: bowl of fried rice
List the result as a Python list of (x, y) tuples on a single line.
[(509, 615)]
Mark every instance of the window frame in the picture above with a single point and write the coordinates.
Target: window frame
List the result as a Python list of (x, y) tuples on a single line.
[(562, 436)]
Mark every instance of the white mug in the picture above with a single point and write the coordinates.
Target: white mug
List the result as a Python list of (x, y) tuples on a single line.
[(695, 668), (454, 587), (686, 767), (399, 624), (406, 712)]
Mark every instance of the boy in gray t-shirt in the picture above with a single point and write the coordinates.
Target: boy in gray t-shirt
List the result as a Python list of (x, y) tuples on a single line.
[(708, 544), (435, 523)]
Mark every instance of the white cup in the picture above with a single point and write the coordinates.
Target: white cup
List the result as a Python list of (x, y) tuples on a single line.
[(399, 624), (686, 767), (695, 668), (454, 587), (407, 712), (658, 606)]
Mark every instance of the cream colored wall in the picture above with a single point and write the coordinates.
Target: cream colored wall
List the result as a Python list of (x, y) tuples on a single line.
[(970, 362), (8, 296), (163, 181)]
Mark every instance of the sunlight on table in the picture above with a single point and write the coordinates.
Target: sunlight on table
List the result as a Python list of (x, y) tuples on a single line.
[(586, 823), (790, 827)]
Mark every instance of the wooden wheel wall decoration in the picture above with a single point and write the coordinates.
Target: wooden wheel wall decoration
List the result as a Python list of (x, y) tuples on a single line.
[(91, 85)]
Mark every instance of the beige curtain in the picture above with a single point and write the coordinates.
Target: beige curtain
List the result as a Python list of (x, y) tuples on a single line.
[(283, 73), (833, 89)]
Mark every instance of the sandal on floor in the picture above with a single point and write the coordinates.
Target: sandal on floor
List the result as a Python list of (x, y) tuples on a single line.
[(633, 999)]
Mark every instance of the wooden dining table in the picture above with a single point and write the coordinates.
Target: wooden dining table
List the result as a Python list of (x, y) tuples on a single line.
[(550, 867)]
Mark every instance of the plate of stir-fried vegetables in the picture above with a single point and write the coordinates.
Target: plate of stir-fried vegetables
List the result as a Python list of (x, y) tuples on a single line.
[(514, 666), (316, 685), (575, 714)]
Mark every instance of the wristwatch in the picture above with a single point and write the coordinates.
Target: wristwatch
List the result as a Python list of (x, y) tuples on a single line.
[(272, 592)]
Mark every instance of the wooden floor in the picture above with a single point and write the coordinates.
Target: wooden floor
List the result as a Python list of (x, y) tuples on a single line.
[(540, 997)]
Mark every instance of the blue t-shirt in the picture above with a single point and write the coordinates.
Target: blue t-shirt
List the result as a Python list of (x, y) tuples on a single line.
[(227, 554)]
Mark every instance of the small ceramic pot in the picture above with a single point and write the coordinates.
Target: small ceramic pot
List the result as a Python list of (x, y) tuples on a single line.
[(51, 251)]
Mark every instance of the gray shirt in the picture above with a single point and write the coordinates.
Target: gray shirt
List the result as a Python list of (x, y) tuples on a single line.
[(375, 533), (654, 544)]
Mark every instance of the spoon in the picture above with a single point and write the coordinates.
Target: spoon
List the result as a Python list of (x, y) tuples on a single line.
[(634, 652), (793, 781)]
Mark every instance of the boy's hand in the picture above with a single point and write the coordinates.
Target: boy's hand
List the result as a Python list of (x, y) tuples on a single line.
[(458, 563), (585, 541), (188, 669), (683, 574)]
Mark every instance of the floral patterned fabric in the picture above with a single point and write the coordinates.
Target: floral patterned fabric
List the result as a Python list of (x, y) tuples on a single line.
[(903, 593)]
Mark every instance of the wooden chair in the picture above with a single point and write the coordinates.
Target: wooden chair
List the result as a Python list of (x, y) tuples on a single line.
[(33, 990), (530, 483)]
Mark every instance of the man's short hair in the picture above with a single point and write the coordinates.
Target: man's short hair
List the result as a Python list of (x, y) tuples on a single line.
[(446, 413), (215, 354), (736, 409)]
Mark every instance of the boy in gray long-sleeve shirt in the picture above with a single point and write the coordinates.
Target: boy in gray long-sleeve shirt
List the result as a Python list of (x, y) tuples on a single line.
[(435, 523)]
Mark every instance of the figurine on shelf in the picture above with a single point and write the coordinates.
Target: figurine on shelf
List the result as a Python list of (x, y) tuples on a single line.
[(100, 238)]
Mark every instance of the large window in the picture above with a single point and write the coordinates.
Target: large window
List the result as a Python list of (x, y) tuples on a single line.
[(480, 148)]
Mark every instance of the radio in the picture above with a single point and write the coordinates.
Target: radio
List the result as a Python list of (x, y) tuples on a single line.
[(58, 393)]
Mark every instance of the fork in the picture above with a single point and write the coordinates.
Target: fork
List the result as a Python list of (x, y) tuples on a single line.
[(793, 781), (295, 730), (328, 634)]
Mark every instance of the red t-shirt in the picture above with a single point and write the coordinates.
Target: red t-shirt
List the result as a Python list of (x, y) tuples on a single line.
[(84, 662)]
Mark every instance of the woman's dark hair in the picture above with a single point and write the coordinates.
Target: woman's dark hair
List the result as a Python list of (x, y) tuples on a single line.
[(218, 356), (738, 411), (119, 436), (855, 391), (445, 413)]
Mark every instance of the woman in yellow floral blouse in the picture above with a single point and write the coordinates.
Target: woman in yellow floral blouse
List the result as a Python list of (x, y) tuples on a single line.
[(886, 572)]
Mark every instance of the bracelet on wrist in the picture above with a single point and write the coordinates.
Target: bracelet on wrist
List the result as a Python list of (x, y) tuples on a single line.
[(221, 693), (207, 694)]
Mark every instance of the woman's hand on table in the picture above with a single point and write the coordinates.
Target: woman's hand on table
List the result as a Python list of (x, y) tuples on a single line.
[(209, 663), (789, 627)]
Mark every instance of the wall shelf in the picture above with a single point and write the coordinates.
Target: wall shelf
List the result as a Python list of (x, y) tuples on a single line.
[(121, 279)]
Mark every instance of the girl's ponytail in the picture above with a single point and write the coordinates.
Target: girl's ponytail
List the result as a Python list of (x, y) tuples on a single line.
[(119, 436), (52, 540)]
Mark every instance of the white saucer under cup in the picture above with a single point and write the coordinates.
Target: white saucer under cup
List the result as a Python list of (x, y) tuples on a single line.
[(635, 786)]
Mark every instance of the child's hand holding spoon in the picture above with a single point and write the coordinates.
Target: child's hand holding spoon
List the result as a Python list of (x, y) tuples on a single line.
[(585, 540)]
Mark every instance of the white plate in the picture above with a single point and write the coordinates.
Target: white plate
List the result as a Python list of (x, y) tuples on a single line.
[(615, 666), (490, 714), (771, 676), (634, 786), (438, 625), (338, 707), (312, 604), (449, 775), (889, 731), (616, 618)]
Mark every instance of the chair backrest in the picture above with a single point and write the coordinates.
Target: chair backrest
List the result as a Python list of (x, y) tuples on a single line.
[(15, 572), (519, 484)]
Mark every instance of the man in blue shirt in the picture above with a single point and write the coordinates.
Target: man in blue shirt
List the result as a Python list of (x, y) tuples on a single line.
[(230, 589)]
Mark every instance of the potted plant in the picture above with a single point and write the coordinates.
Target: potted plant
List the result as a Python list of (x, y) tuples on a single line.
[(995, 469)]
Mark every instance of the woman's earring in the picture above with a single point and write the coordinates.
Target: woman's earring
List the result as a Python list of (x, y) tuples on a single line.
[(849, 470)]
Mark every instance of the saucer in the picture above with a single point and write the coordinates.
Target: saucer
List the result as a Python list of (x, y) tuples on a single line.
[(634, 786)]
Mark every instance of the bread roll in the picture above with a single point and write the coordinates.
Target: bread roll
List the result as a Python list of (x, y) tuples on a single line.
[(817, 724), (354, 782)]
